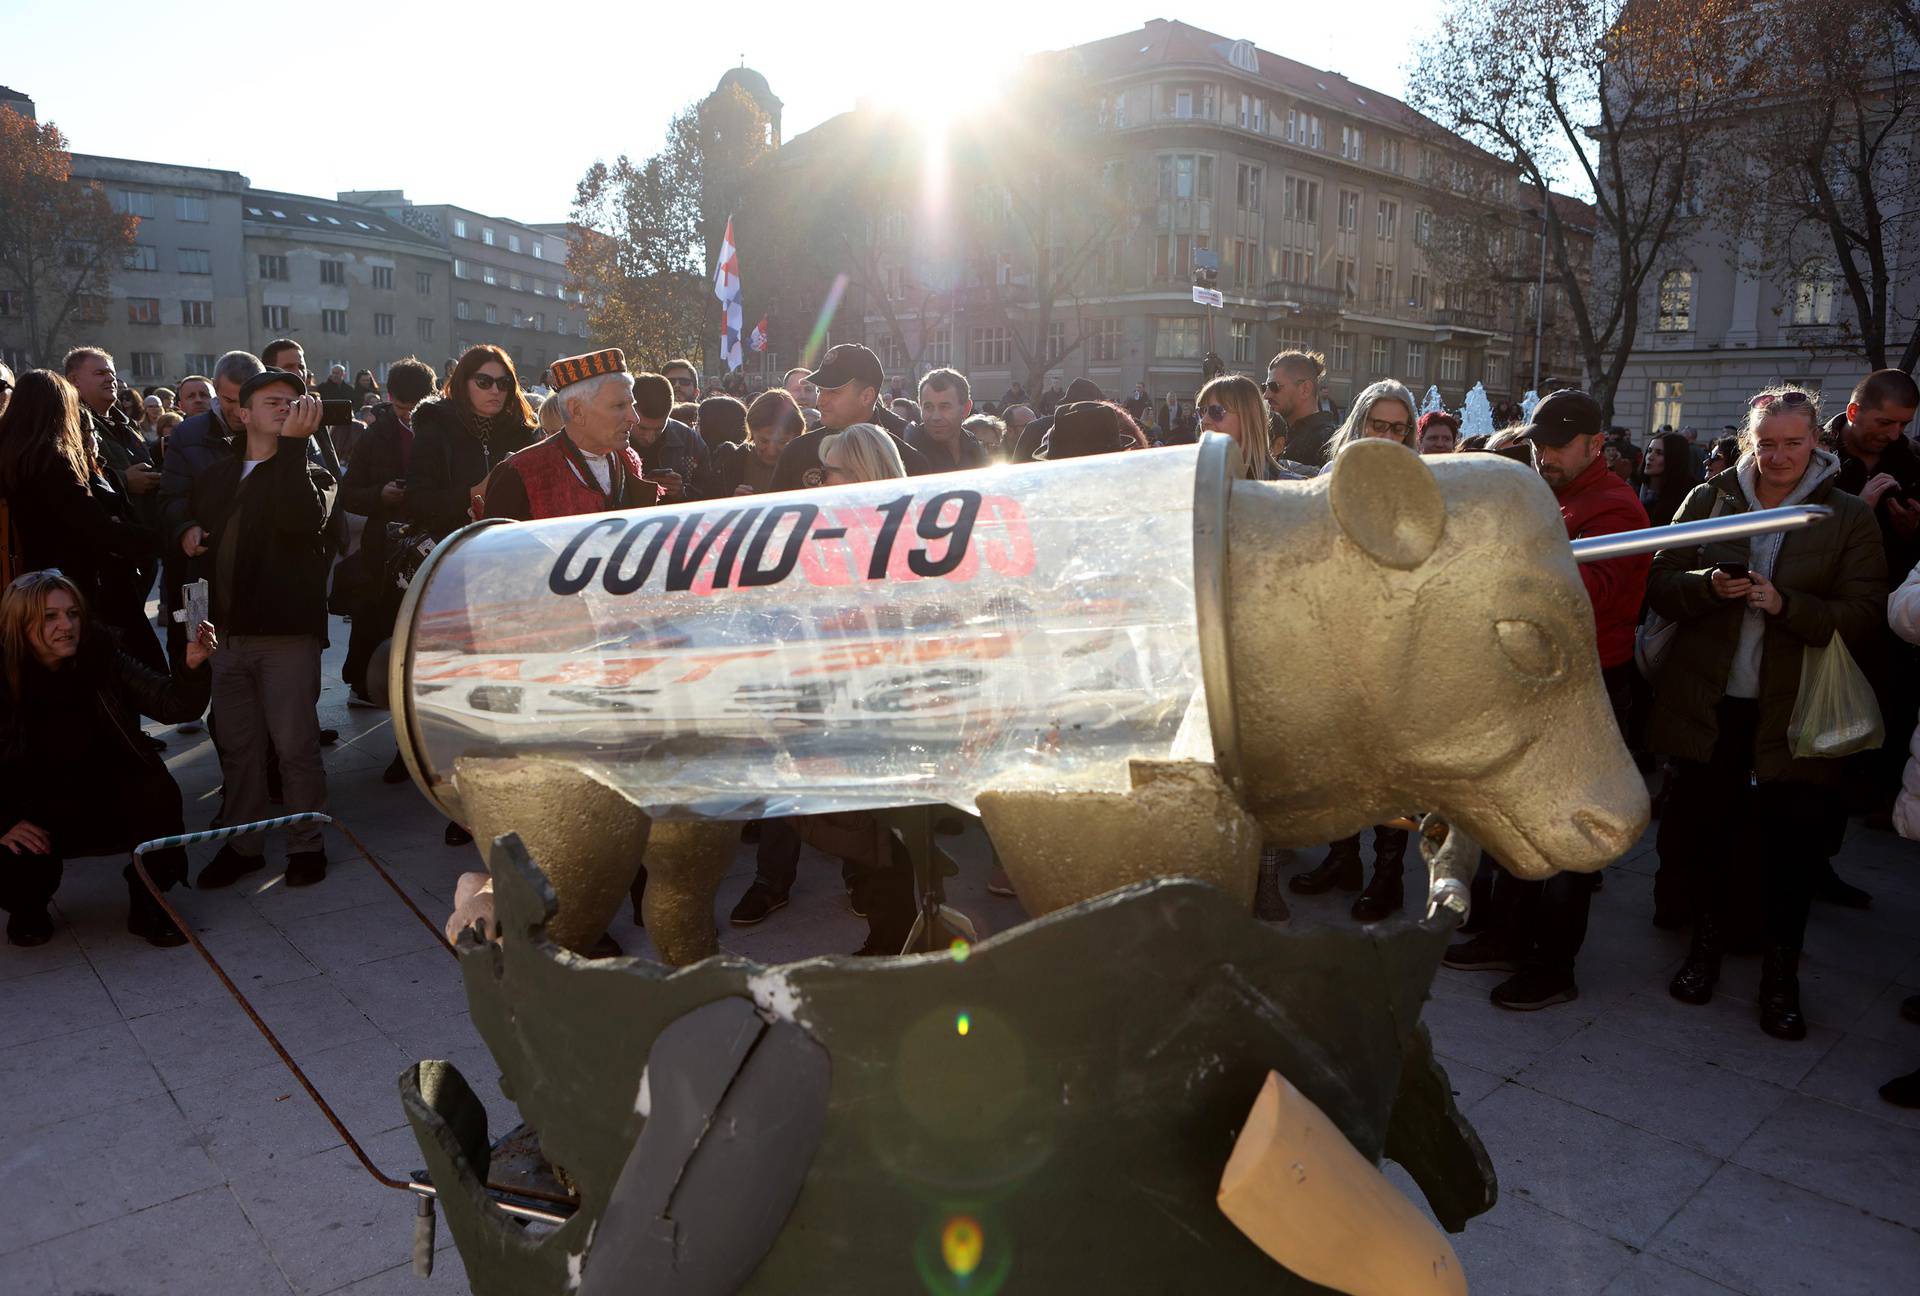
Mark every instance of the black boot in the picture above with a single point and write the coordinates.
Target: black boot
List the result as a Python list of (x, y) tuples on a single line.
[(1341, 868), (147, 920), (1269, 905), (1386, 890), (1780, 994), (1695, 980)]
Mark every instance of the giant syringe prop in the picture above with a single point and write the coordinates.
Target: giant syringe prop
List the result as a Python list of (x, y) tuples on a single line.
[(1736, 526)]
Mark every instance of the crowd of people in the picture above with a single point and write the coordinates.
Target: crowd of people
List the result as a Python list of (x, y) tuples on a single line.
[(245, 480)]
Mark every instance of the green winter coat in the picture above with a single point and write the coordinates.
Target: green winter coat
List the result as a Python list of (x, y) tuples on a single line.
[(1831, 576)]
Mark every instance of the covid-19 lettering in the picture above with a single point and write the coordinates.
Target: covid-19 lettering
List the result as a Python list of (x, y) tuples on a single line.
[(946, 536)]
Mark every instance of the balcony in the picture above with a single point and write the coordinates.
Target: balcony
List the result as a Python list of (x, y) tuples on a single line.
[(1462, 320), (1306, 299)]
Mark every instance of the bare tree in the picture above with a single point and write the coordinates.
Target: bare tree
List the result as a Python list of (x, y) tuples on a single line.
[(1615, 98), (60, 239)]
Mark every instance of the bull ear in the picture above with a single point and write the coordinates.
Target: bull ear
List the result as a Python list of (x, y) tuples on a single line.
[(1388, 503)]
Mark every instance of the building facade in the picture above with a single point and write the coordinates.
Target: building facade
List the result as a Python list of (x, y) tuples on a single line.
[(1314, 197)]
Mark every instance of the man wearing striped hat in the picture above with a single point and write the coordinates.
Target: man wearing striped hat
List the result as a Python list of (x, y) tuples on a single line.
[(587, 466)]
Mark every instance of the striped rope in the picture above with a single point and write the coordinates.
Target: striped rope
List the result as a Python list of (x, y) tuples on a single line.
[(221, 834)]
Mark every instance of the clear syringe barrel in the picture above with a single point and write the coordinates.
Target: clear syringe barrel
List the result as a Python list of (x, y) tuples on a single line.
[(889, 643)]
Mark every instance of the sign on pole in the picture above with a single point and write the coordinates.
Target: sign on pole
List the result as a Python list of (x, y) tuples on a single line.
[(1209, 297)]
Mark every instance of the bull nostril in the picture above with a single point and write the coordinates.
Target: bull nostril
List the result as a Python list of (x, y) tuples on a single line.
[(1602, 832)]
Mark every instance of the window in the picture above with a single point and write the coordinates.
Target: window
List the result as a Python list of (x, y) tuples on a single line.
[(146, 364), (1177, 339), (143, 310), (463, 309), (194, 260), (141, 257), (1353, 144), (513, 278), (423, 282), (333, 272), (1244, 56), (491, 314), (1813, 297), (186, 207), (133, 202), (196, 314), (383, 325), (333, 321), (537, 321), (1349, 211), (1346, 277), (536, 250), (891, 354), (1676, 302), (273, 267), (1422, 227), (487, 275), (1390, 154), (459, 227), (1247, 189), (1184, 175), (423, 328), (1246, 111), (1260, 115), (199, 362), (1416, 359), (513, 242), (939, 348), (462, 269), (486, 235), (1183, 103), (1340, 358), (560, 326), (273, 319), (1381, 356), (519, 320), (1301, 199), (1496, 371), (1383, 286), (992, 347), (1386, 221), (1417, 289), (1242, 333), (1453, 364), (1105, 343), (539, 287), (1296, 267), (1303, 128), (1669, 403), (382, 276)]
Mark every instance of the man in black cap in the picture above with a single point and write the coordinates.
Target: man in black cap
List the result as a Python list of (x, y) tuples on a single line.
[(1079, 391), (1537, 928), (1082, 428), (849, 380), (265, 512)]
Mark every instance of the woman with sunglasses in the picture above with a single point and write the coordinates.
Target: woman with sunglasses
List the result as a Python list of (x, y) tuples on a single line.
[(1747, 612), (479, 419), (1232, 406), (1383, 410)]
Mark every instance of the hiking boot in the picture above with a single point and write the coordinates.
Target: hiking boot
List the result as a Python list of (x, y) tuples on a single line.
[(760, 903), (1780, 1014), (28, 927), (1534, 988), (1386, 889), (228, 867), (1695, 980), (1484, 953), (304, 868)]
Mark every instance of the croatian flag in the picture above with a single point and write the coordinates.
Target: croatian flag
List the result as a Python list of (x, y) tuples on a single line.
[(757, 340), (726, 287)]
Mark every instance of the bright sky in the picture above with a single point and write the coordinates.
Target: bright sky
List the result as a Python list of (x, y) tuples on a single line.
[(474, 104)]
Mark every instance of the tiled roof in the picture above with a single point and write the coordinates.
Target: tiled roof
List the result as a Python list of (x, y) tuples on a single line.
[(302, 213)]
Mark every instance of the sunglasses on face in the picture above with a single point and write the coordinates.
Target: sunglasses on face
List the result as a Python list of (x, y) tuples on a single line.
[(487, 382), (1274, 388), (1215, 413)]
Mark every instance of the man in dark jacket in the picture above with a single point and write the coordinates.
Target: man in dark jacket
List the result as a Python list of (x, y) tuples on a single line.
[(671, 453), (129, 468), (266, 512), (1293, 392), (849, 380), (945, 402), (376, 488), (1537, 928), (195, 446)]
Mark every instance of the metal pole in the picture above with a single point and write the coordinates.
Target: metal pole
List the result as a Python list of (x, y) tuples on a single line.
[(1733, 527), (1540, 301)]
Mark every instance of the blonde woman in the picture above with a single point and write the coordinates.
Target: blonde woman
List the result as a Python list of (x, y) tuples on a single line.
[(861, 453), (1233, 406), (1383, 410)]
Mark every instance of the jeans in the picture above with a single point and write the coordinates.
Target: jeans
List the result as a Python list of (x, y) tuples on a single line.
[(265, 689)]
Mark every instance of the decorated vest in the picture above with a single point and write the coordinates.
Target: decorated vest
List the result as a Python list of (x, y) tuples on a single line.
[(554, 488)]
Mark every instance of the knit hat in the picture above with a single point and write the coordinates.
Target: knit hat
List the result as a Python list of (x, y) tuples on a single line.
[(572, 369)]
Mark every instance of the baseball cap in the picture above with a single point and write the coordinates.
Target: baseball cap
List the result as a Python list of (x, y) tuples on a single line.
[(845, 363), (1563, 416), (267, 378)]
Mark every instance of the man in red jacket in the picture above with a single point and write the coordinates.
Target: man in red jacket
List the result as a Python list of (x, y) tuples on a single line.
[(1537, 928)]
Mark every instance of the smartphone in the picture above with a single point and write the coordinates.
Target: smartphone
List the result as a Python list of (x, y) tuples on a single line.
[(336, 413), (1733, 571)]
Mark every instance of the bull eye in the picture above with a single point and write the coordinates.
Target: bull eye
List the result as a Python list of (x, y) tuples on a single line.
[(1530, 648)]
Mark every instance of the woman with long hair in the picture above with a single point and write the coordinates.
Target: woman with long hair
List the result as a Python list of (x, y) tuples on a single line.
[(479, 419), (365, 385), (1233, 406), (745, 466), (67, 513), (1383, 410), (1665, 477), (75, 777), (1725, 691)]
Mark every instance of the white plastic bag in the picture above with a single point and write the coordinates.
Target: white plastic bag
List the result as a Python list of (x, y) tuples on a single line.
[(1836, 713)]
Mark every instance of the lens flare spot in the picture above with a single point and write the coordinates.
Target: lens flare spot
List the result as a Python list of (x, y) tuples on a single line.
[(963, 1023), (960, 949), (961, 1243)]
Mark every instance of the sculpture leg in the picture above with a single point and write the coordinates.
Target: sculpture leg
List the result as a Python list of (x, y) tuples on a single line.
[(685, 861), (586, 837), (1179, 819)]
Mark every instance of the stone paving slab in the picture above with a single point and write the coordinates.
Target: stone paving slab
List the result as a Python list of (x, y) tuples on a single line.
[(150, 1141)]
